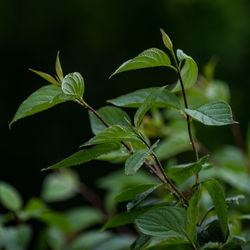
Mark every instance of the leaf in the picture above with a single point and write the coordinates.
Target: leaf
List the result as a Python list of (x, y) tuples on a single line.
[(140, 242), (135, 161), (59, 71), (148, 103), (135, 99), (46, 76), (84, 155), (173, 145), (140, 197), (81, 218), (162, 221), (9, 197), (130, 193), (189, 71), (193, 214), (166, 40), (112, 115), (44, 98), (219, 200), (216, 113), (248, 141), (235, 199), (147, 59), (59, 186), (73, 85), (182, 172), (115, 133)]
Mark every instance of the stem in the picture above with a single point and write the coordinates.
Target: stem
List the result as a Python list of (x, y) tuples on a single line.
[(188, 118)]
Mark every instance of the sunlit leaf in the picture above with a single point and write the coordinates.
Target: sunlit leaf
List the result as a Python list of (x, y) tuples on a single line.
[(46, 76), (147, 59), (216, 113)]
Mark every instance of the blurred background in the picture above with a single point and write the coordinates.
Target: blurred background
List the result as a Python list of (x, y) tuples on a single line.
[(94, 38)]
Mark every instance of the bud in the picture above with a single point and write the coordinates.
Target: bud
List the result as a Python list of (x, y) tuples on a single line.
[(166, 40)]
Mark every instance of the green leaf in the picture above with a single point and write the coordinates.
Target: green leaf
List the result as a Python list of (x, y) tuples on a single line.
[(193, 214), (140, 242), (219, 200), (248, 141), (115, 133), (147, 59), (55, 239), (59, 186), (216, 113), (189, 71), (163, 221), (81, 218), (135, 161), (173, 145), (59, 71), (135, 99), (73, 85), (217, 90), (84, 155), (130, 193), (235, 199), (42, 99), (9, 197), (182, 172), (46, 76), (112, 115), (148, 104), (166, 40), (140, 197)]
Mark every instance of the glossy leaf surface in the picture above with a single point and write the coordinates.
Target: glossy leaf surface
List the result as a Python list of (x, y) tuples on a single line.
[(147, 59), (216, 113), (189, 71), (135, 99), (44, 98)]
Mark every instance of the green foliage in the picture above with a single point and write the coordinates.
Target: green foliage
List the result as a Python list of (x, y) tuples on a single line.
[(175, 213)]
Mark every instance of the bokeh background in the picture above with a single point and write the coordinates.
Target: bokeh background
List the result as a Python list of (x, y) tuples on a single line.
[(94, 38)]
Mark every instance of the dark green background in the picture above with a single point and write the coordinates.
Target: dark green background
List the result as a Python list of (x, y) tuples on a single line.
[(95, 37)]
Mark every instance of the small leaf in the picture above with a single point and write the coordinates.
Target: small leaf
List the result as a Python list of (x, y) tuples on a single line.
[(182, 172), (216, 113), (140, 197), (84, 155), (189, 71), (46, 76), (59, 71), (59, 186), (9, 197), (73, 85), (115, 133), (140, 242), (163, 221), (42, 99), (130, 193), (166, 40), (134, 162), (235, 199), (193, 214), (148, 104), (135, 99), (147, 59), (112, 115), (219, 200)]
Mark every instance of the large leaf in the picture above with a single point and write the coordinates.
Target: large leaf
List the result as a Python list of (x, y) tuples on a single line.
[(135, 99), (193, 214), (73, 85), (112, 115), (216, 113), (135, 161), (85, 155), (140, 197), (130, 193), (163, 221), (115, 133), (219, 200), (189, 71), (42, 99), (182, 172), (147, 59), (9, 197), (147, 105)]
